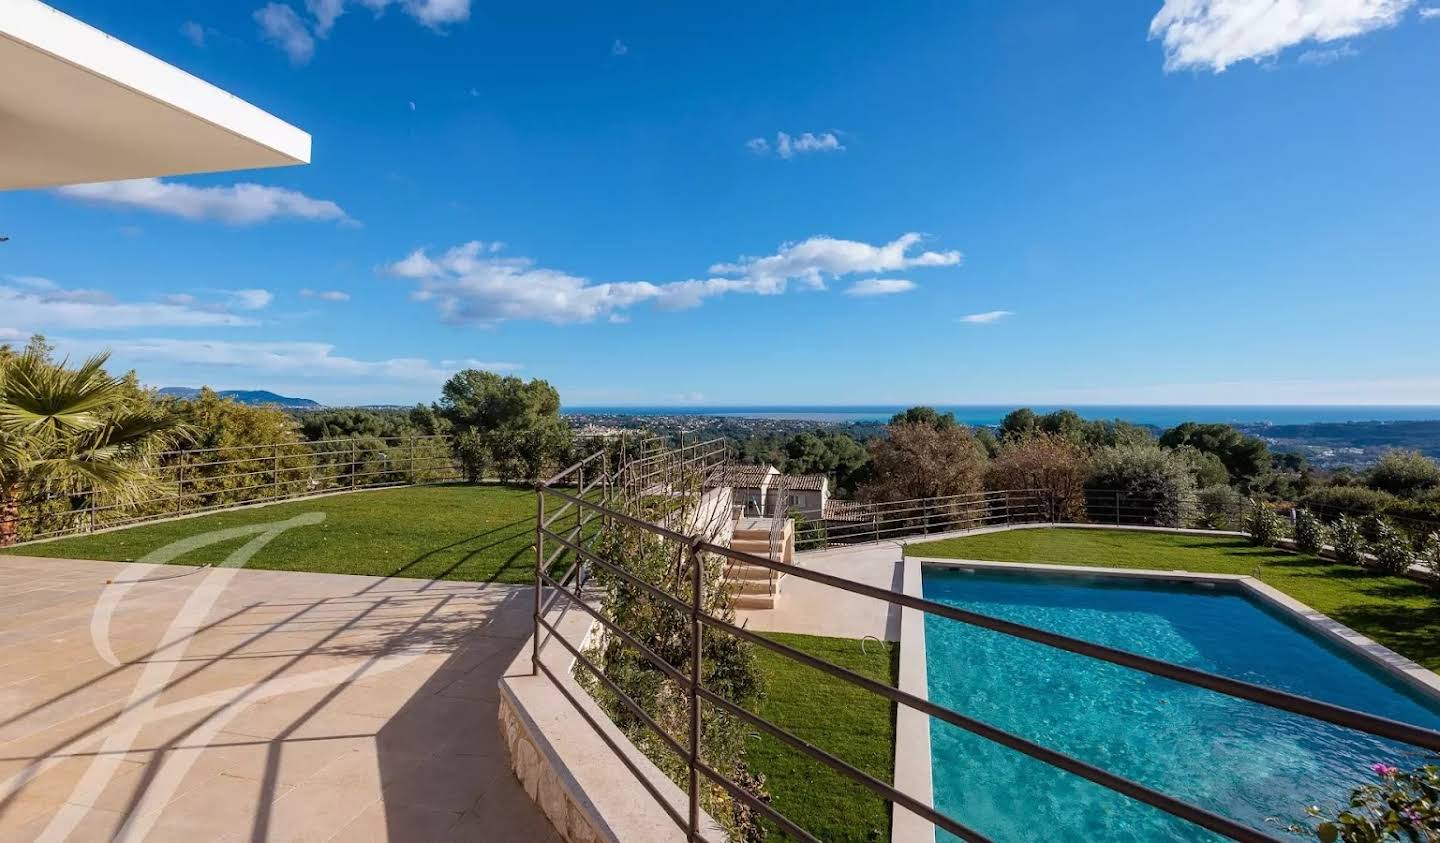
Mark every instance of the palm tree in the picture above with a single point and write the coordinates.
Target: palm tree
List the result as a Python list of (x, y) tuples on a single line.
[(72, 432)]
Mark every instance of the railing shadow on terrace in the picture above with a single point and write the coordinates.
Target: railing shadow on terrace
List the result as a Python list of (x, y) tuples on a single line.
[(591, 491)]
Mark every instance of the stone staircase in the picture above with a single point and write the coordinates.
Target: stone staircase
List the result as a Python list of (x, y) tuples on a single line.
[(756, 587)]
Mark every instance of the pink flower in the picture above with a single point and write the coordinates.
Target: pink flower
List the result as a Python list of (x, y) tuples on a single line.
[(1384, 770), (1410, 816)]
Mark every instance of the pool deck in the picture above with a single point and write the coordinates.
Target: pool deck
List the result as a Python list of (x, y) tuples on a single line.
[(811, 608), (202, 704)]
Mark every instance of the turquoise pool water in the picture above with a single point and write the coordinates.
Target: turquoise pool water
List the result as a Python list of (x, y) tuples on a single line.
[(1241, 759)]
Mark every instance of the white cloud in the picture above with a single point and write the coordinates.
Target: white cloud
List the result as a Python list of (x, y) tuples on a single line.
[(325, 13), (618, 48), (325, 295), (471, 284), (1327, 56), (283, 28), (986, 318), (238, 204), (880, 287), (195, 33), (35, 304), (811, 261), (1214, 34), (305, 359), (788, 147), (1430, 12), (251, 299)]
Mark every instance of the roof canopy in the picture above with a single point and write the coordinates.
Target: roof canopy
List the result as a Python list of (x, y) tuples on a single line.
[(77, 105)]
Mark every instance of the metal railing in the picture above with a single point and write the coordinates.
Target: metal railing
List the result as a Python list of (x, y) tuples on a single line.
[(692, 553), (197, 480)]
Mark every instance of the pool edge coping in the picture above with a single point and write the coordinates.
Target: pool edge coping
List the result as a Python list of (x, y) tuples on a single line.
[(912, 767), (1404, 669)]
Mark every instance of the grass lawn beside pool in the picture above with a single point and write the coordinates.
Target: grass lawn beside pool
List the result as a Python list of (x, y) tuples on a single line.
[(846, 721), (1400, 613), (454, 532)]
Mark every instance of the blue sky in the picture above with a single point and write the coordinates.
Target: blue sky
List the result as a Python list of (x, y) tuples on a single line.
[(1132, 202)]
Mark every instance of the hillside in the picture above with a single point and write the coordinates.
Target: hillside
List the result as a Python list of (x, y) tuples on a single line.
[(245, 396)]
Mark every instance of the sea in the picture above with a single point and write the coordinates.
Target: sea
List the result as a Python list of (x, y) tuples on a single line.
[(1157, 415)]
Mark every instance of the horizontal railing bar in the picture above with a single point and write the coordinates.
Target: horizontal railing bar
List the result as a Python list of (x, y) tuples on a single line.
[(615, 748), (1339, 715), (758, 804), (1119, 784), (575, 599), (854, 773), (635, 708), (653, 590)]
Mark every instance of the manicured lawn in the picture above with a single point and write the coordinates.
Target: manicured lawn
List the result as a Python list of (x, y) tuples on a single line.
[(845, 721), (476, 533), (1400, 613)]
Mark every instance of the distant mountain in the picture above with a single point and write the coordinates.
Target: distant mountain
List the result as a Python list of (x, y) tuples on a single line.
[(245, 396)]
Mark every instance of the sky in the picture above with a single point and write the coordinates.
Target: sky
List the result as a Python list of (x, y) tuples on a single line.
[(1168, 201)]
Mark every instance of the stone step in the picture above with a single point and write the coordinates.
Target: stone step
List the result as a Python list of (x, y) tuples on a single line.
[(754, 601), (756, 546), (752, 534), (751, 587), (747, 572)]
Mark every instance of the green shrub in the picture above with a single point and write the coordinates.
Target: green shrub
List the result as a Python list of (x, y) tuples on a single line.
[(1264, 526), (1150, 475), (1429, 554), (728, 666), (1330, 502), (1403, 806), (1348, 541), (1310, 532), (1393, 552), (1404, 474), (1372, 527), (1220, 507)]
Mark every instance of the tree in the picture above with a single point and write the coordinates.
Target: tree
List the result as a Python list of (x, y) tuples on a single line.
[(1407, 474), (1145, 479), (70, 432), (252, 451), (509, 423), (1019, 423), (1246, 458), (919, 459), (1046, 463), (925, 415)]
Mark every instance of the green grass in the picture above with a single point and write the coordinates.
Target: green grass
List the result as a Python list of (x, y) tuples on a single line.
[(475, 533), (850, 723), (1400, 613)]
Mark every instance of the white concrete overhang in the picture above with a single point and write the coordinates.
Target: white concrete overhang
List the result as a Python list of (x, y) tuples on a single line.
[(77, 105)]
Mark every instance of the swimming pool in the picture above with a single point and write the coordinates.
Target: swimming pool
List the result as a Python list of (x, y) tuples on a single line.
[(1240, 759)]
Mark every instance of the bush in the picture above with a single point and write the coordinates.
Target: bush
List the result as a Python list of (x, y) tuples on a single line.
[(1371, 527), (1220, 507), (1310, 532), (1404, 474), (1156, 477), (1054, 467), (1264, 526), (1348, 541), (1393, 553), (1429, 554), (1329, 502), (1403, 806)]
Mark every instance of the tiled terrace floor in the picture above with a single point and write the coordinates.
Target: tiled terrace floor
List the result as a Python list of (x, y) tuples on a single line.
[(254, 705)]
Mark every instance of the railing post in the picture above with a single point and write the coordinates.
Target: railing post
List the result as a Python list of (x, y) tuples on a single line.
[(697, 593), (1117, 507), (539, 561), (275, 470), (414, 477), (354, 465), (180, 484)]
